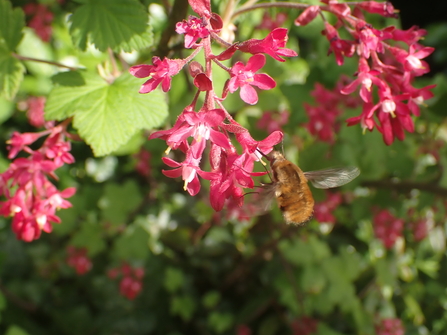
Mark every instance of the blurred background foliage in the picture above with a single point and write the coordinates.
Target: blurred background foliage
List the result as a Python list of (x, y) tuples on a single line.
[(205, 273)]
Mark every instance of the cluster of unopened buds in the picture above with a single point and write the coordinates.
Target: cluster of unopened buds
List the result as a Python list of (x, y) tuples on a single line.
[(31, 198), (387, 227), (385, 71), (131, 282), (78, 259)]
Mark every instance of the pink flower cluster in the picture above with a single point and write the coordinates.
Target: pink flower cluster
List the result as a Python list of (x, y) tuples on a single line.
[(390, 326), (143, 166), (323, 118), (40, 19), (323, 211), (304, 326), (131, 282), (35, 112), (31, 198), (243, 330), (387, 227), (79, 260), (386, 69), (273, 121), (211, 124)]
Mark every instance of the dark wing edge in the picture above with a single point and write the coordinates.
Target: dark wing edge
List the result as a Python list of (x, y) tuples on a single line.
[(332, 177)]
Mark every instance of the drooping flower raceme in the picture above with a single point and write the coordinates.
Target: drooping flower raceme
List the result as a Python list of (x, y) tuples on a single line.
[(211, 124), (31, 199)]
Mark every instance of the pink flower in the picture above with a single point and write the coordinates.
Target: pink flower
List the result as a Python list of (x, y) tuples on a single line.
[(307, 16), (188, 170), (193, 28), (409, 36), (35, 112), (370, 39), (198, 125), (40, 20), (339, 47), (304, 326), (323, 211), (79, 260), (161, 71), (19, 141), (385, 9), (245, 77), (390, 326), (130, 287), (201, 7), (322, 122), (32, 199), (231, 174), (387, 228), (273, 121), (412, 59), (269, 23), (273, 45), (366, 78)]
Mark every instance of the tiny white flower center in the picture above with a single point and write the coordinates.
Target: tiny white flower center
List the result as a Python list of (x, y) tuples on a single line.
[(389, 106)]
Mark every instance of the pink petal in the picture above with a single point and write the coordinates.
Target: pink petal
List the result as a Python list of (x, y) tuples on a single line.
[(141, 71), (194, 186), (150, 85), (220, 139), (170, 162), (255, 63), (248, 94), (263, 81), (172, 173)]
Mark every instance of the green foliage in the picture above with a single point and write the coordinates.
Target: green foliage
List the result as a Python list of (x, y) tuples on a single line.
[(204, 273), (101, 111), (117, 24)]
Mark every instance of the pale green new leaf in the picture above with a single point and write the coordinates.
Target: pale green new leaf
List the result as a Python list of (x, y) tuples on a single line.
[(107, 115), (115, 24), (11, 25), (11, 74)]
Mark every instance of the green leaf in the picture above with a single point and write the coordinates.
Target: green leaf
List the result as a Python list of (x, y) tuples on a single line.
[(220, 322), (174, 279), (211, 299), (16, 330), (116, 24), (12, 22), (269, 326), (11, 74), (107, 115), (132, 244), (183, 306), (91, 237), (6, 110), (2, 301), (118, 201)]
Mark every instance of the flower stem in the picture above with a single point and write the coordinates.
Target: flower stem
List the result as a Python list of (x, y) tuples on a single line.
[(24, 58)]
